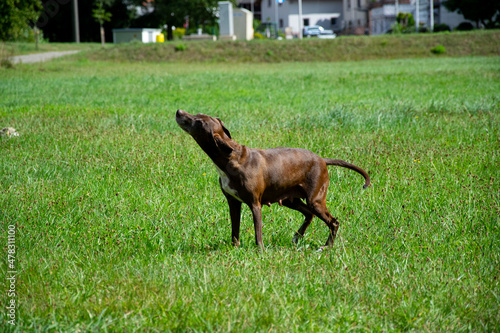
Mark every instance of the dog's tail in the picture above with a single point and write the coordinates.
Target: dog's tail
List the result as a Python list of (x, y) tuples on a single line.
[(344, 164)]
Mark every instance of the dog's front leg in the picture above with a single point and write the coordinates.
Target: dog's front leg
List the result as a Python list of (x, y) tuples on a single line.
[(257, 224), (235, 214)]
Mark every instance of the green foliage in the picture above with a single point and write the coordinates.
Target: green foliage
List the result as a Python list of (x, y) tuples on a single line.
[(256, 24), (6, 63), (174, 13), (122, 227), (485, 43), (438, 49), (465, 26), (257, 35), (100, 14), (16, 17), (487, 11), (441, 27), (406, 20), (180, 47), (179, 33), (404, 24)]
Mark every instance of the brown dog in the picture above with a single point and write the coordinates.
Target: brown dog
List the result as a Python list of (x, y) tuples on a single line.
[(256, 177)]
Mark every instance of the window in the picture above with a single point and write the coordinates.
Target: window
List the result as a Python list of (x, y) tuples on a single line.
[(306, 22), (281, 23), (269, 3), (333, 21), (359, 3)]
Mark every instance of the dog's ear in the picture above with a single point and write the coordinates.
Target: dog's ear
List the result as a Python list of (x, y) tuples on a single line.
[(224, 128), (222, 145)]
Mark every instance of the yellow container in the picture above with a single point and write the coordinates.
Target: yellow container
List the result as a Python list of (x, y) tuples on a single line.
[(160, 38)]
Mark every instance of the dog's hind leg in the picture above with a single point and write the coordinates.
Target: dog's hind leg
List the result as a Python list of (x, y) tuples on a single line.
[(317, 204), (298, 205), (322, 212)]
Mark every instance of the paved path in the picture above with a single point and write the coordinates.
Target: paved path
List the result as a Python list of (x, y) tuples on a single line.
[(39, 57)]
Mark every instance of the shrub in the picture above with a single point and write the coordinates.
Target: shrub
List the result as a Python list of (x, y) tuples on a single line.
[(439, 49), (258, 36), (5, 54), (6, 63), (465, 26), (178, 33), (441, 27), (404, 24), (180, 47), (406, 20)]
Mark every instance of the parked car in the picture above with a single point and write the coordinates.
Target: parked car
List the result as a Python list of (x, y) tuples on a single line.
[(318, 31)]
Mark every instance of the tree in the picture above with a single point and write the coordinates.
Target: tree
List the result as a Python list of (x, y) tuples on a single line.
[(175, 12), (17, 17), (57, 23), (486, 11), (101, 16)]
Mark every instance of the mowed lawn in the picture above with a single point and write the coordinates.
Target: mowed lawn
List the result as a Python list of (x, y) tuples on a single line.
[(121, 225)]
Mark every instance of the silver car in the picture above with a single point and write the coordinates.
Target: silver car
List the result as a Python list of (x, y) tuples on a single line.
[(318, 31)]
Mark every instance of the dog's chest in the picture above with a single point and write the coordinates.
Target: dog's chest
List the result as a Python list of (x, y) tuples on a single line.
[(226, 186)]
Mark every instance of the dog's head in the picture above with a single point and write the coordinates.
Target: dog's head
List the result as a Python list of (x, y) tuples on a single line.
[(209, 132)]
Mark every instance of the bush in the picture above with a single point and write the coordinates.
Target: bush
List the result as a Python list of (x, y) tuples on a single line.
[(6, 63), (178, 33), (441, 27), (404, 24), (180, 47), (258, 36), (465, 26), (5, 54), (439, 49), (406, 20)]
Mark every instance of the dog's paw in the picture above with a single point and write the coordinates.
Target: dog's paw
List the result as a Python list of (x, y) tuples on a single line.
[(295, 239), (322, 249)]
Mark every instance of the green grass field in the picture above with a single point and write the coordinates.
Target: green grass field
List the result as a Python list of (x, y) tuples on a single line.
[(121, 226), (344, 48)]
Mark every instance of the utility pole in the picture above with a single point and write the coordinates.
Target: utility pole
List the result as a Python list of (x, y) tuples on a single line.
[(417, 16), (76, 22), (276, 16), (432, 15), (300, 19)]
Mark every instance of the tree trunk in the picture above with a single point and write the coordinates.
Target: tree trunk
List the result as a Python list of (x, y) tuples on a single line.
[(36, 33), (170, 33), (102, 35)]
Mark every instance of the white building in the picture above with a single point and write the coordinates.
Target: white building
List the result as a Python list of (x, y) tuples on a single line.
[(336, 15), (383, 14), (348, 16), (142, 35)]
